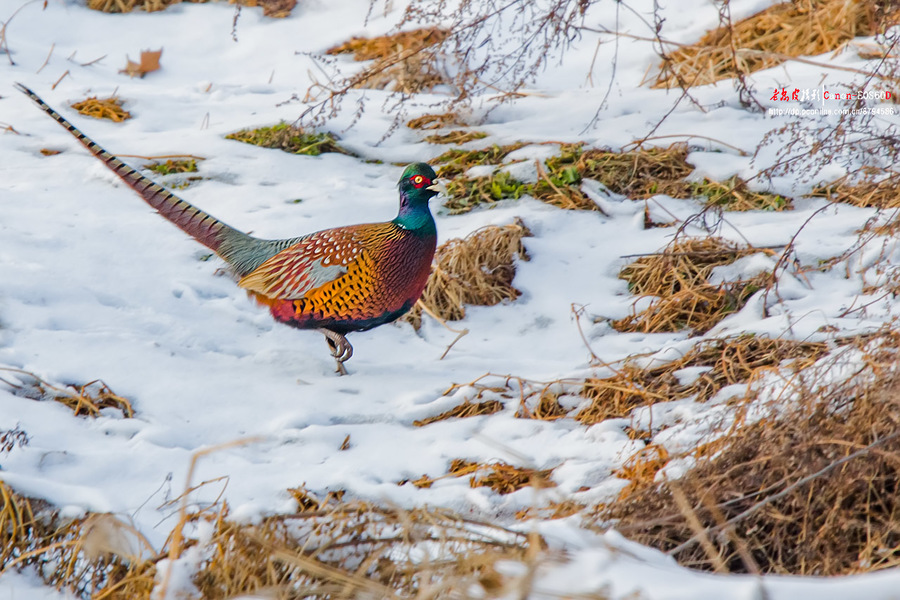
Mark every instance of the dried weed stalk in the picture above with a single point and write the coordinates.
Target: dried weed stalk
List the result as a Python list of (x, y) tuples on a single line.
[(477, 270), (810, 489), (486, 47)]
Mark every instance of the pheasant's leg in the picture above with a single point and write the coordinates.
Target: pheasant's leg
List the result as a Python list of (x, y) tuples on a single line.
[(341, 349)]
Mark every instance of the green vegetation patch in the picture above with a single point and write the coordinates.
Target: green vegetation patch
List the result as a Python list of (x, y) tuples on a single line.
[(640, 174), (733, 194), (171, 167), (456, 162), (290, 138), (465, 193)]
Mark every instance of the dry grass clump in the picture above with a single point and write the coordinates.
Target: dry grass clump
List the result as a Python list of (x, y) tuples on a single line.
[(640, 174), (869, 193), (271, 8), (537, 400), (290, 138), (718, 363), (699, 308), (103, 108), (91, 557), (347, 550), (399, 61), (331, 548), (637, 174), (84, 400), (733, 360), (125, 6), (435, 121), (768, 38), (455, 137), (476, 270), (678, 278), (498, 476), (809, 491), (641, 468), (462, 411)]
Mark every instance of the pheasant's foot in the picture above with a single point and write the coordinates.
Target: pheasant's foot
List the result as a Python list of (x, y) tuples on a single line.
[(341, 349)]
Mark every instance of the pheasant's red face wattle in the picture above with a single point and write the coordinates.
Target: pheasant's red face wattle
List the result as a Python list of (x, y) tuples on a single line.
[(419, 181)]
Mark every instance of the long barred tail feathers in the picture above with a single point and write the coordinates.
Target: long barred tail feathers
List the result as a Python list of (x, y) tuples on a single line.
[(200, 225)]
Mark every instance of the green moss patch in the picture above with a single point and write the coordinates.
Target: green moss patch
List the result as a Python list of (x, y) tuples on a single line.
[(290, 138)]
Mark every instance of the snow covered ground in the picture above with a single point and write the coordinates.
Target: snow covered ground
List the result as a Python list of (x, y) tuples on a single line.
[(94, 285)]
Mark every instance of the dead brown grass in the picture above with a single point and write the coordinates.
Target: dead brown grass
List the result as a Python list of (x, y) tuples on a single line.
[(455, 137), (87, 400), (768, 38), (678, 278), (399, 63), (271, 8), (436, 121), (355, 549), (637, 174), (84, 555), (498, 476), (809, 490), (642, 467), (103, 108), (331, 548), (881, 193), (462, 411), (477, 270), (733, 360)]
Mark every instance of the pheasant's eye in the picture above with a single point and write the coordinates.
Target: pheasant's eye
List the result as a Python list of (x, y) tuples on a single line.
[(419, 181)]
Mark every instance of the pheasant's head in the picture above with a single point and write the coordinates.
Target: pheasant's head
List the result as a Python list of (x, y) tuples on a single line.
[(418, 185)]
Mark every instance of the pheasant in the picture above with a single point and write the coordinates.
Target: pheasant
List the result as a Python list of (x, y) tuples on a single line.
[(336, 280)]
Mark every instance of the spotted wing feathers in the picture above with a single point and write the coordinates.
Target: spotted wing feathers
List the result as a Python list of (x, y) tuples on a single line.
[(315, 260)]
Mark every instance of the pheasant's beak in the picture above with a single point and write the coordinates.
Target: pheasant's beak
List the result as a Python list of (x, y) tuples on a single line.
[(438, 186)]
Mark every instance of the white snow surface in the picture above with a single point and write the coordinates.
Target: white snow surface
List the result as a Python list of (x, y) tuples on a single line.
[(94, 285)]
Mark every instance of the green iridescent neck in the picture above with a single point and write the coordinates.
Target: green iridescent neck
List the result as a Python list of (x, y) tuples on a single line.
[(414, 213)]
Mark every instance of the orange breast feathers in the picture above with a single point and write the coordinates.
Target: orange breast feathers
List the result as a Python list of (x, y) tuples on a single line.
[(333, 270)]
